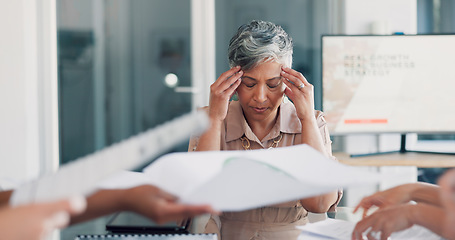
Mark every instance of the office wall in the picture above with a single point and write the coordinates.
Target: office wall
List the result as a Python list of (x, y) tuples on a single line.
[(114, 56), (28, 73), (18, 94), (377, 17), (397, 15)]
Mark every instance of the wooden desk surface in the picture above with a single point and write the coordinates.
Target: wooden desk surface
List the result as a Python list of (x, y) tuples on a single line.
[(421, 160)]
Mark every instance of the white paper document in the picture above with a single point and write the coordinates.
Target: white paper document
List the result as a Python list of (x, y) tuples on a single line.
[(240, 180), (340, 229), (81, 176), (124, 180)]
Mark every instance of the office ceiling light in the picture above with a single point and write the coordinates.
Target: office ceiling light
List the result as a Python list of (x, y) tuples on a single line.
[(171, 80)]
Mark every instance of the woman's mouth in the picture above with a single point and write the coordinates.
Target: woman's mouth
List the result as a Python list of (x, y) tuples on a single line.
[(259, 109)]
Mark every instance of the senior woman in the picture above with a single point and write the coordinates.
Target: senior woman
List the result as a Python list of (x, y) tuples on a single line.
[(260, 56)]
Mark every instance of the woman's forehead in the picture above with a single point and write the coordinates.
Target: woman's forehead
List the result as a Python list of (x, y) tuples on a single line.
[(267, 70)]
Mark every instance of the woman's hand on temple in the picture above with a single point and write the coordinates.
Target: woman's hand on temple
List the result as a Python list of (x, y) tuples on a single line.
[(300, 91), (221, 91)]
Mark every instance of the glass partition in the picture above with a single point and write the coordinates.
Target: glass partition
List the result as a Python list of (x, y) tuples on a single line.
[(120, 63)]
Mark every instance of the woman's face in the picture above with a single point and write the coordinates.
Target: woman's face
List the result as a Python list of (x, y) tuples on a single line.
[(261, 92)]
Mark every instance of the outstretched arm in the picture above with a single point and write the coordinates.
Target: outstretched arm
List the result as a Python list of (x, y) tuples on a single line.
[(146, 200)]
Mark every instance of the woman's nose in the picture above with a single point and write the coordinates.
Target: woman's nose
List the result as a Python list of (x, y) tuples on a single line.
[(260, 95)]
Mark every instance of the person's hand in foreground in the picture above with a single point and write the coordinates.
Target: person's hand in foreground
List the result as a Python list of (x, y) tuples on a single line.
[(160, 206), (36, 221), (382, 223), (146, 200), (391, 197), (447, 183), (395, 213), (419, 192)]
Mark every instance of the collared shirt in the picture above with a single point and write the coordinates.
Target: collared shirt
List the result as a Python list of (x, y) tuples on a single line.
[(277, 221), (288, 125)]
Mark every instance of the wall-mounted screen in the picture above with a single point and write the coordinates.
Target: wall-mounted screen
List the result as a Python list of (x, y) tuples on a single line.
[(389, 84)]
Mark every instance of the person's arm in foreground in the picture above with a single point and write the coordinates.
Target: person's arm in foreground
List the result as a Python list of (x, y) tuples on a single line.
[(4, 197), (303, 99), (419, 192), (36, 221), (396, 218), (447, 183), (220, 93), (146, 200)]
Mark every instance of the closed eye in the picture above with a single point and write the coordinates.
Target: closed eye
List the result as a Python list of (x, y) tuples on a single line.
[(248, 83), (274, 83)]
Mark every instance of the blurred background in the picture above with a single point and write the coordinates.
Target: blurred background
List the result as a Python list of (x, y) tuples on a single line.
[(79, 75)]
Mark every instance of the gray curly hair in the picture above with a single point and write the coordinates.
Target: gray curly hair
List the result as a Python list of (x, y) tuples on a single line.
[(258, 42)]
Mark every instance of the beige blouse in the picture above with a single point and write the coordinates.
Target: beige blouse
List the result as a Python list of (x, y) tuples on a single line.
[(271, 222), (235, 127)]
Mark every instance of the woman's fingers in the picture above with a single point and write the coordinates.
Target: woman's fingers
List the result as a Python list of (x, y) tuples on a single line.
[(226, 75), (291, 85), (234, 79), (226, 84), (295, 77), (291, 81), (231, 90), (221, 91), (299, 91)]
